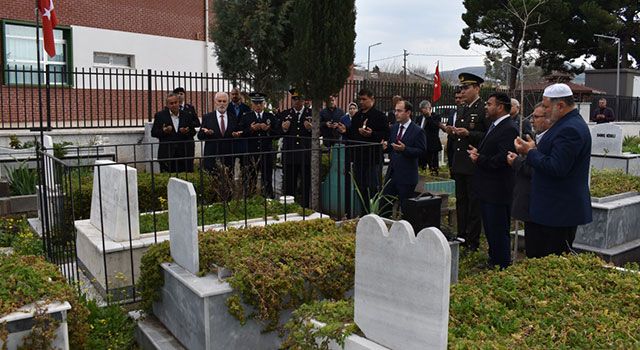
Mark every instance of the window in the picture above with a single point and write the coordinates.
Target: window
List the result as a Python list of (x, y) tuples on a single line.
[(112, 60), (20, 56)]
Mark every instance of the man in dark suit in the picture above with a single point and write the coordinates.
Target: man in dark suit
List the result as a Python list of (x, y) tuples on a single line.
[(218, 129), (296, 147), (451, 122), (517, 118), (523, 172), (406, 143), (330, 116), (560, 199), (494, 179), (371, 126), (261, 128), (173, 128), (468, 129), (189, 147), (430, 125), (238, 108)]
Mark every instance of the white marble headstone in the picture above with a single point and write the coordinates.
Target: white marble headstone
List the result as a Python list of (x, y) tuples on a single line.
[(49, 165), (402, 285), (606, 138), (119, 209), (183, 224)]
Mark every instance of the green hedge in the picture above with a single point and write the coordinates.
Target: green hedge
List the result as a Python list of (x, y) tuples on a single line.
[(569, 302), (152, 195), (276, 267)]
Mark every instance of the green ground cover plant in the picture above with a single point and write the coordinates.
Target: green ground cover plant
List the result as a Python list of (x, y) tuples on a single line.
[(559, 302), (606, 182), (276, 267)]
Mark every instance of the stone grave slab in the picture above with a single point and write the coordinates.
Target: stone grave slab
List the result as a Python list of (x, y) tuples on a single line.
[(114, 202), (402, 285), (183, 224)]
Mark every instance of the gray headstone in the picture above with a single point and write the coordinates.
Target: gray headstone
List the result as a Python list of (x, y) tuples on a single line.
[(402, 285), (113, 207), (606, 138), (183, 224)]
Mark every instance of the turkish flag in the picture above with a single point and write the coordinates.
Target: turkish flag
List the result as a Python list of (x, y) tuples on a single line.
[(437, 88), (49, 21)]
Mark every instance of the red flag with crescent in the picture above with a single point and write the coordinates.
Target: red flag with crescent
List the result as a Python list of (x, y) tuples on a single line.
[(49, 21), (437, 87)]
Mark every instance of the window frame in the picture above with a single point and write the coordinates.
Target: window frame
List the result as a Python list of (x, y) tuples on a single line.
[(111, 64), (68, 52)]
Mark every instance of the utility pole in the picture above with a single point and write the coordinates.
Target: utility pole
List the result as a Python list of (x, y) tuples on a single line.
[(405, 54)]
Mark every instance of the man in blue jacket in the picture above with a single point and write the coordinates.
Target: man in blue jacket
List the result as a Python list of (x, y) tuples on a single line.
[(406, 143), (560, 199)]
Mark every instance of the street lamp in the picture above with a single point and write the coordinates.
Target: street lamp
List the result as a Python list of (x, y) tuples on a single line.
[(617, 40), (369, 57)]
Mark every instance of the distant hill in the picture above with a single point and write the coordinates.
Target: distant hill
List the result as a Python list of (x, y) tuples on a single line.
[(452, 75)]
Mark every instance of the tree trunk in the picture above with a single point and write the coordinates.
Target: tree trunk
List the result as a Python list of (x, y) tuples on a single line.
[(513, 68), (315, 156)]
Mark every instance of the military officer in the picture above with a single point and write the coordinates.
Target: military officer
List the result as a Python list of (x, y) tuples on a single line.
[(296, 146), (261, 127), (469, 129)]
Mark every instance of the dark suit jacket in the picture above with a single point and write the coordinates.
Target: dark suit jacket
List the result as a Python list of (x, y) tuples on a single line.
[(404, 165), (449, 122), (243, 109), (259, 141), (521, 190), (217, 143), (297, 137), (170, 145), (364, 155), (493, 177), (431, 130), (559, 186)]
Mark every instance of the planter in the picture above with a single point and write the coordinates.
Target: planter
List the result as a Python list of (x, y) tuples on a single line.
[(627, 162), (614, 233), (94, 248), (352, 342), (446, 186), (19, 325), (19, 204)]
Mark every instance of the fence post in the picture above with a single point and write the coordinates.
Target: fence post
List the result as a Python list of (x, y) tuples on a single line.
[(150, 96), (48, 96)]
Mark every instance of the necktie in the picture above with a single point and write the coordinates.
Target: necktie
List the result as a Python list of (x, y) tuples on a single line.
[(222, 126), (259, 117), (493, 126), (400, 134)]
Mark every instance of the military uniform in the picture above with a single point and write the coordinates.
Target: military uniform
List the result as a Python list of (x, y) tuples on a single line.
[(260, 141), (468, 213), (296, 155)]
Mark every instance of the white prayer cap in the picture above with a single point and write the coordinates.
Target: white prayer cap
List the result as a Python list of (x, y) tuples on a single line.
[(557, 91)]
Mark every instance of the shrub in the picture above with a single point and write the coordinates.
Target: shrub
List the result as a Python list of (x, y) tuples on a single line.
[(11, 228), (568, 302), (631, 144), (606, 182), (29, 279), (274, 268), (22, 180), (111, 327)]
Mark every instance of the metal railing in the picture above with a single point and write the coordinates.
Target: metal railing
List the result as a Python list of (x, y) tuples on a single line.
[(232, 190)]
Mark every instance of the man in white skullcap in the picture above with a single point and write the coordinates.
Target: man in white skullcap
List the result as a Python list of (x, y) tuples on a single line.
[(560, 199)]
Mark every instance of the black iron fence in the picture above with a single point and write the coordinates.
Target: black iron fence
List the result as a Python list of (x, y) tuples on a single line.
[(98, 217), (625, 108)]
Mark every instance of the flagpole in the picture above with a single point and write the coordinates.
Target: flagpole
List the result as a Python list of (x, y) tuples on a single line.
[(41, 128)]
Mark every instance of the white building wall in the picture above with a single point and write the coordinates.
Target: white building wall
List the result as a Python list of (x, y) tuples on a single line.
[(149, 51)]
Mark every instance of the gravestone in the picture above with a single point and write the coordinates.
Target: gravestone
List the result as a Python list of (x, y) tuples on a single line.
[(402, 285), (606, 138), (183, 224), (114, 202)]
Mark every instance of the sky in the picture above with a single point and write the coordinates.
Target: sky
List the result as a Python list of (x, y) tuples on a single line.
[(420, 26)]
